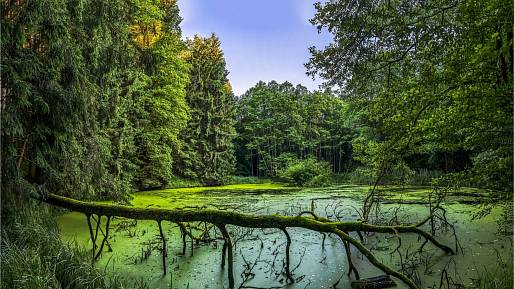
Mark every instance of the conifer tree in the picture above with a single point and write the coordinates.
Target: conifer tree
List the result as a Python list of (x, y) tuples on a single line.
[(208, 152), (162, 109)]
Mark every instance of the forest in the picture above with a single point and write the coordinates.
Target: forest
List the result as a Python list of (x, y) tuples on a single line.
[(128, 161)]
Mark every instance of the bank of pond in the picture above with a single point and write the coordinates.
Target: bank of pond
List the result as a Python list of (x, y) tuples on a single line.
[(133, 248)]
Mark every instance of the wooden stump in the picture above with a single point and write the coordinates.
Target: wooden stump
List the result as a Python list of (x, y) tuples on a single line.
[(378, 282)]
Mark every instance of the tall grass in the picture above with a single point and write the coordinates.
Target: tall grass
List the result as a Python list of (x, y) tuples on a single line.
[(177, 182), (501, 277), (33, 256)]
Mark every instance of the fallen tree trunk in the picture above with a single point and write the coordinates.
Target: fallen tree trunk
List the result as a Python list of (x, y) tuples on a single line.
[(222, 218)]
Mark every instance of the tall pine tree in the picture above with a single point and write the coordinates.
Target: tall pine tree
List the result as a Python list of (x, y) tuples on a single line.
[(208, 152), (163, 111)]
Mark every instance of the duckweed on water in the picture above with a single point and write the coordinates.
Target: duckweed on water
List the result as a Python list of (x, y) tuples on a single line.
[(320, 267)]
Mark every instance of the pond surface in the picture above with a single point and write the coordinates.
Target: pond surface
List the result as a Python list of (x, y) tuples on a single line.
[(262, 252)]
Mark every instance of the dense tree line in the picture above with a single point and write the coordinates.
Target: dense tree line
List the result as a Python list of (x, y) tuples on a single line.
[(101, 98), (279, 123), (207, 152)]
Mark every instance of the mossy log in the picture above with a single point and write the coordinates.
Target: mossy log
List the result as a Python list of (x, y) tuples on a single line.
[(222, 218)]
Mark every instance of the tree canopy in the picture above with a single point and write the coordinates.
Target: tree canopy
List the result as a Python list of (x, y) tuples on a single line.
[(427, 78), (279, 123), (208, 152), (103, 98)]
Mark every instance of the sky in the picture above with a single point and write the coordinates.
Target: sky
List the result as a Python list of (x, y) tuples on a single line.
[(262, 39)]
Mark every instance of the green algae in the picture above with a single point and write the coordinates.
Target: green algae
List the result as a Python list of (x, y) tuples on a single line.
[(259, 186), (184, 197), (321, 266)]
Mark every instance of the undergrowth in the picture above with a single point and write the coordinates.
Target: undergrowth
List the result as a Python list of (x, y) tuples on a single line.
[(500, 277), (33, 256)]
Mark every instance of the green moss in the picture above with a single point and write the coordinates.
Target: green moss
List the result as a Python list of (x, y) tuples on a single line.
[(202, 196), (202, 270), (259, 186)]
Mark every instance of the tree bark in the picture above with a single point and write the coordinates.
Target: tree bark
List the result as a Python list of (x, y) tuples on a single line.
[(223, 218)]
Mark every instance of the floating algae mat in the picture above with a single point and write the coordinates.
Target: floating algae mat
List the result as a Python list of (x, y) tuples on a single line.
[(259, 253)]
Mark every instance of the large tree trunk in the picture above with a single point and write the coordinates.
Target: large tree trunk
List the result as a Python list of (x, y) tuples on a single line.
[(223, 218)]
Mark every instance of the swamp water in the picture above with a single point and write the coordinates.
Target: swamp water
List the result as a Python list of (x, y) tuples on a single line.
[(259, 254)]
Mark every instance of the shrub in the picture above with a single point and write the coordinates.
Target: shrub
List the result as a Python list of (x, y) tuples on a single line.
[(236, 180), (284, 161), (361, 175), (492, 169), (308, 172), (176, 182)]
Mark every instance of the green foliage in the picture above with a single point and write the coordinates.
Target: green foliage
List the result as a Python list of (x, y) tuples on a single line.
[(396, 176), (163, 112), (284, 161), (498, 277), (308, 172), (92, 100), (422, 98), (208, 152), (505, 224), (361, 175), (491, 167), (278, 123), (44, 100)]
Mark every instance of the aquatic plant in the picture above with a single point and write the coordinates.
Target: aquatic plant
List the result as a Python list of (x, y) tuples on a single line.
[(221, 218)]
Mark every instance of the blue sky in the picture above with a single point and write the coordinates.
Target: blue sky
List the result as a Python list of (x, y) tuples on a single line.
[(262, 39)]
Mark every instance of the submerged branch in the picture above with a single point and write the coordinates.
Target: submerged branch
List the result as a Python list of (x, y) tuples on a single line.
[(223, 218)]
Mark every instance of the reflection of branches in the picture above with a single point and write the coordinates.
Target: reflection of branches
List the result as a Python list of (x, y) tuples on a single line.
[(287, 259), (240, 234), (94, 237), (445, 278), (222, 218), (299, 261), (351, 267), (410, 262), (125, 225), (247, 274)]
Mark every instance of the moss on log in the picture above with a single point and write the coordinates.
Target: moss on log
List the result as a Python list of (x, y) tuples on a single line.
[(223, 218)]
